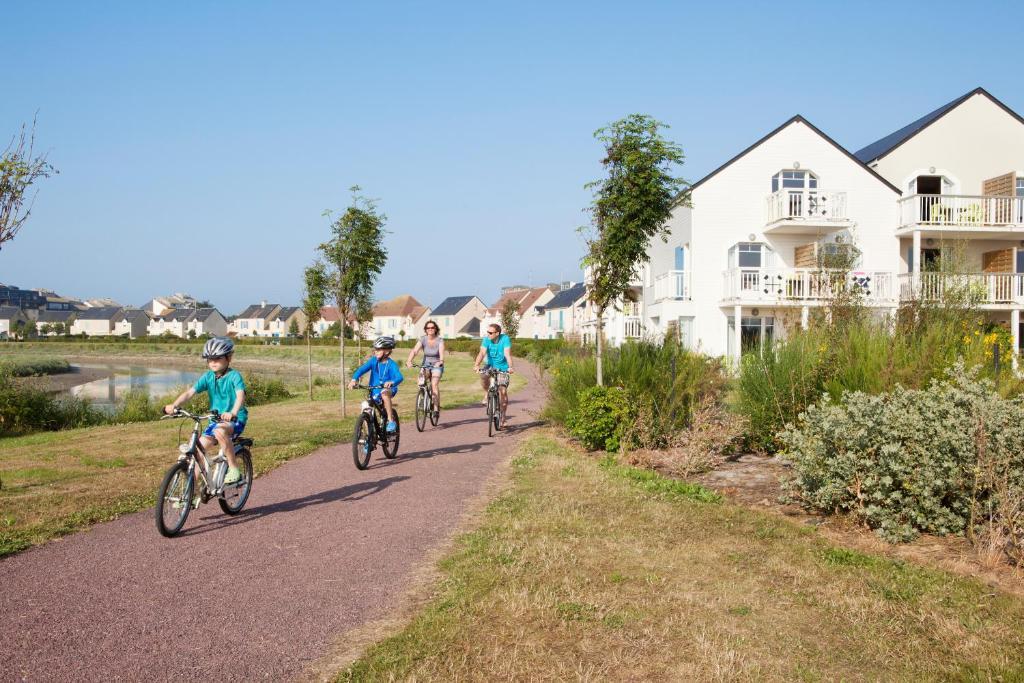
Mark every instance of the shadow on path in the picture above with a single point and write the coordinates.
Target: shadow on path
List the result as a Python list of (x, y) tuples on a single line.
[(352, 492), (430, 453)]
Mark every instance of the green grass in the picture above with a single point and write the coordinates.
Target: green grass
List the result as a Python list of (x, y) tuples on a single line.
[(603, 575)]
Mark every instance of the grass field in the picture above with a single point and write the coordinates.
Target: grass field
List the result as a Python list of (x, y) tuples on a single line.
[(583, 570), (54, 483)]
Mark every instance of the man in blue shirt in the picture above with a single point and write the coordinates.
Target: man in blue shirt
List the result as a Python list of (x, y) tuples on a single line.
[(496, 350)]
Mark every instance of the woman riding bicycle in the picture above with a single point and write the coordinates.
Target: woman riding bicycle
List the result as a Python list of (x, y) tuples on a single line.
[(432, 346)]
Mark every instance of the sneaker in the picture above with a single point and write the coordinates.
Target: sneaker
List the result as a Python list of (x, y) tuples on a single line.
[(196, 500), (392, 427), (232, 476), (178, 504)]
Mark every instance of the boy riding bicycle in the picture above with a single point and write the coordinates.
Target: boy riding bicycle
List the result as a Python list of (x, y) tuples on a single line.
[(384, 373), (227, 396)]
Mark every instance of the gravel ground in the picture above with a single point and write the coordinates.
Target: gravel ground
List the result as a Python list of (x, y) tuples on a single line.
[(320, 549)]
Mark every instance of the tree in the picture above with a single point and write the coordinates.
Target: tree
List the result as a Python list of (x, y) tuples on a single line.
[(58, 328), (19, 329), (510, 318), (192, 334), (313, 296), (45, 329), (19, 169), (293, 328), (363, 315), (631, 206), (355, 256)]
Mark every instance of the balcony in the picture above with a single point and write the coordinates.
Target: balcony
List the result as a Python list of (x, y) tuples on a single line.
[(800, 286), (805, 212), (982, 288), (962, 213), (632, 328), (672, 285)]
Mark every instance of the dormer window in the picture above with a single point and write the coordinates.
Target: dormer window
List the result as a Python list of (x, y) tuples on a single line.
[(794, 180)]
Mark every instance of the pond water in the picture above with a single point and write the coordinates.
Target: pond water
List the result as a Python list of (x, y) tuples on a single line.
[(107, 392)]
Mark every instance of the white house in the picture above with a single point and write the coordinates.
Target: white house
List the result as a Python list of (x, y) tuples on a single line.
[(254, 321), (10, 316), (51, 318), (207, 321), (171, 321), (96, 322), (749, 260), (529, 302), (455, 316), (133, 322), (164, 304), (401, 317), (563, 313), (281, 323)]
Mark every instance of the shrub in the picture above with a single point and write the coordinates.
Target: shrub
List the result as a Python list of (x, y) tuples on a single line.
[(23, 409), (945, 459), (600, 417), (34, 367), (259, 390)]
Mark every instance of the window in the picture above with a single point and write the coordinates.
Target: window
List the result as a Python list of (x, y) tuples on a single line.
[(392, 323), (746, 255), (755, 333), (796, 180), (686, 332), (680, 258)]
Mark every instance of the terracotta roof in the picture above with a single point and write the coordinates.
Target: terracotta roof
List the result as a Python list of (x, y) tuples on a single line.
[(330, 314), (531, 298), (400, 306)]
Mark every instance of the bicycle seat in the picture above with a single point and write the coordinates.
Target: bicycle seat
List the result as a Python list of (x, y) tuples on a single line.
[(242, 441)]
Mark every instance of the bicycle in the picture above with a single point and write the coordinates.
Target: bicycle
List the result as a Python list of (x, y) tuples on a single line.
[(371, 429), (425, 399), (174, 498), (495, 414)]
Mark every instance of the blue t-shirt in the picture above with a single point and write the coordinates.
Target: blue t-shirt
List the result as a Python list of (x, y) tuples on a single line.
[(380, 371), (222, 391), (496, 351)]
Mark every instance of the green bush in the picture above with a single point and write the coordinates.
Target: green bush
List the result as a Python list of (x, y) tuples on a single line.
[(23, 409), (34, 367), (259, 390), (946, 459), (600, 417)]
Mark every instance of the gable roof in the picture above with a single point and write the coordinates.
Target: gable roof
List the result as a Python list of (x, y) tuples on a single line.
[(531, 298), (880, 148), (204, 314), (796, 119), (401, 305), (471, 328), (452, 305), (286, 312), (10, 313), (567, 297), (98, 313), (48, 316), (257, 311), (129, 314)]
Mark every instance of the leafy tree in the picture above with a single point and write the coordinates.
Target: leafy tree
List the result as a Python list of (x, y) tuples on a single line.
[(58, 328), (314, 293), (19, 329), (355, 256), (20, 167), (631, 206), (333, 330), (191, 334), (510, 318), (293, 328), (45, 329)]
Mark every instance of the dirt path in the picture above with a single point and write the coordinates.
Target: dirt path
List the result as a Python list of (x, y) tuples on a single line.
[(320, 549)]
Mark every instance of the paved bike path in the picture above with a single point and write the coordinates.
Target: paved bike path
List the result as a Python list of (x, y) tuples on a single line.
[(321, 548)]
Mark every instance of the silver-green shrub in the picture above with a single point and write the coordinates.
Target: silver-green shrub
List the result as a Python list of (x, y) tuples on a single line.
[(946, 459)]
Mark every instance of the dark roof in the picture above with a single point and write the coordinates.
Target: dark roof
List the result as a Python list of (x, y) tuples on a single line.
[(10, 312), (810, 125), (878, 149), (177, 314), (257, 311), (132, 314), (567, 297), (48, 316), (471, 328), (98, 313), (452, 305), (286, 312), (203, 314)]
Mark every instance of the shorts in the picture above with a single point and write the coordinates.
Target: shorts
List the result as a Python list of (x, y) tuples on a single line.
[(237, 428), (435, 370), (376, 393)]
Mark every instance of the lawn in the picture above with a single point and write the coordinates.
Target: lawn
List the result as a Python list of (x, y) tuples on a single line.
[(54, 483), (587, 570)]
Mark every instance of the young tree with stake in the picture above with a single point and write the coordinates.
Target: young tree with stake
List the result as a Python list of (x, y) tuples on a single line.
[(314, 293), (355, 256), (631, 205)]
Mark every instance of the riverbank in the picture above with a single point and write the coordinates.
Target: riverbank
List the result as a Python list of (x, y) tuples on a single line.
[(65, 381)]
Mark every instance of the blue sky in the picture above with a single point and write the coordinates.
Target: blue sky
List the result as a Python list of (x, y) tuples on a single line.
[(198, 143)]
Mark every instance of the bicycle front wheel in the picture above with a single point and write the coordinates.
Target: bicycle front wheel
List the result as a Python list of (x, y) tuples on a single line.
[(422, 406), (492, 414), (236, 494), (362, 441), (174, 500), (390, 441)]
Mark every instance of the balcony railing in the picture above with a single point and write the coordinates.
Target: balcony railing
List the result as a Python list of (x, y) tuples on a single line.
[(985, 288), (805, 284), (806, 205), (961, 211), (675, 284), (633, 328)]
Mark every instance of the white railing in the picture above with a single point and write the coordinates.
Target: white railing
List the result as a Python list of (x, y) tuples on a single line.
[(806, 205), (962, 211), (806, 284), (988, 288), (675, 284), (632, 328)]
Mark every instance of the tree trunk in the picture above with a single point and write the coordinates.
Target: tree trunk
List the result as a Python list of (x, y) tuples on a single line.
[(600, 348), (341, 338), (309, 363)]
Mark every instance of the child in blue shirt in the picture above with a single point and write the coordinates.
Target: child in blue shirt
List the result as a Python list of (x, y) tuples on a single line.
[(227, 396), (383, 372)]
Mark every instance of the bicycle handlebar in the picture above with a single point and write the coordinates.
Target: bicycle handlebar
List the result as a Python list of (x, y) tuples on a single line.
[(180, 412)]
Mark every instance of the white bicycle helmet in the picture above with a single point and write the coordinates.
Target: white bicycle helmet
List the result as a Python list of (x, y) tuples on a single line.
[(217, 347), (385, 342)]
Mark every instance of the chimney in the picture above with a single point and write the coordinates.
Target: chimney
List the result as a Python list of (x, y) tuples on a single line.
[(263, 303)]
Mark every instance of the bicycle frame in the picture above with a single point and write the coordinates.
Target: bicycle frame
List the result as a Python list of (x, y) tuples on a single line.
[(189, 451)]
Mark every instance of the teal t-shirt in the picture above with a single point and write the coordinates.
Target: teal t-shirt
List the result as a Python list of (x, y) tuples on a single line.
[(496, 351), (222, 391)]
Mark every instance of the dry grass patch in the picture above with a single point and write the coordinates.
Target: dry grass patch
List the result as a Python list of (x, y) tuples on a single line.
[(588, 570)]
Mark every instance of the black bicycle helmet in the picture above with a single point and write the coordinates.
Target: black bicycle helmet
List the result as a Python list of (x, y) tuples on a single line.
[(385, 342), (217, 347)]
